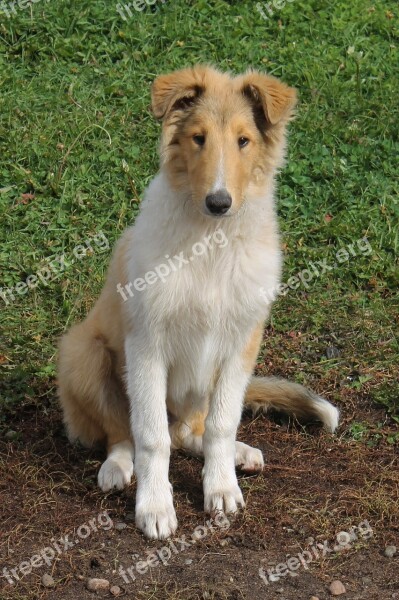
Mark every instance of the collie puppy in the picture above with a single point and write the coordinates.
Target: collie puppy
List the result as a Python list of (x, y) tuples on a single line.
[(165, 358)]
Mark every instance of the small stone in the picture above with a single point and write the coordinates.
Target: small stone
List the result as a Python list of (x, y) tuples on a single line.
[(97, 584), (390, 551), (47, 580), (314, 598), (11, 435), (115, 590), (120, 526), (224, 542), (188, 561), (332, 352), (130, 517), (337, 588)]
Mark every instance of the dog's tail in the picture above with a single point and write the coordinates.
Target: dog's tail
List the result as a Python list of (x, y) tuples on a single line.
[(292, 398)]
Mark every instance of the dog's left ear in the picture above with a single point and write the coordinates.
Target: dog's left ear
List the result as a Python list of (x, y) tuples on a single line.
[(272, 97), (176, 91)]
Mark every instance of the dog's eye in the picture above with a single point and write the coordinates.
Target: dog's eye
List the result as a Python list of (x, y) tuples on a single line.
[(199, 139), (243, 141)]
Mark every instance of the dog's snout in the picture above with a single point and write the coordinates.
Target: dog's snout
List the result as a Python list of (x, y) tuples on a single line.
[(218, 202)]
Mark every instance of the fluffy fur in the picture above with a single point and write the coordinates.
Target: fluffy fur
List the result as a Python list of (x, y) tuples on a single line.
[(170, 364)]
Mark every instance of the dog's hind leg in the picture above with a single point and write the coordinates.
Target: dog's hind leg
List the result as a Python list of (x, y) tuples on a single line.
[(248, 459), (187, 436), (94, 401), (117, 470)]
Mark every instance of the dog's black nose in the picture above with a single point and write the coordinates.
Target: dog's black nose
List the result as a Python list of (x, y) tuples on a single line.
[(219, 202)]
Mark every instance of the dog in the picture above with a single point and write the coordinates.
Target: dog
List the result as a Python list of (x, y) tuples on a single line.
[(165, 358)]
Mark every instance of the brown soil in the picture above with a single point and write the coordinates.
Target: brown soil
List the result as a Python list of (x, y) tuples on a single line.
[(314, 486)]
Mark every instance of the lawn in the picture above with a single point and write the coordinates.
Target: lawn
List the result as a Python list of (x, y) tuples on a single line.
[(78, 145)]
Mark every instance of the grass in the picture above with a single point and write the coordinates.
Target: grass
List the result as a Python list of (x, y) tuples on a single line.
[(78, 147)]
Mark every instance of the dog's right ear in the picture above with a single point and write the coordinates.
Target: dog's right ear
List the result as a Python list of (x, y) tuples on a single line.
[(176, 91)]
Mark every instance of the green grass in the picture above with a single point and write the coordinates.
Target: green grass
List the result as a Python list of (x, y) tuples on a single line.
[(78, 144)]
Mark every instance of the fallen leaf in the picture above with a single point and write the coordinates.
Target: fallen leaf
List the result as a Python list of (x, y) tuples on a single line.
[(26, 197)]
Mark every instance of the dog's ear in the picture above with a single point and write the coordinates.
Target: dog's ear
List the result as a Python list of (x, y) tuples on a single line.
[(271, 98), (176, 91)]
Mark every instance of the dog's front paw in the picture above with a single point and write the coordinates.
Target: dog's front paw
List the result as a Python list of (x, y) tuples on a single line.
[(227, 500), (156, 516), (248, 459), (115, 474)]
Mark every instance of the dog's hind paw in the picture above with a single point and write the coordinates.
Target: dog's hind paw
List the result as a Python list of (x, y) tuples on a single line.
[(115, 474), (248, 459)]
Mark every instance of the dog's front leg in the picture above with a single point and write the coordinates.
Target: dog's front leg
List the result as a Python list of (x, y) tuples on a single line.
[(221, 489), (146, 384)]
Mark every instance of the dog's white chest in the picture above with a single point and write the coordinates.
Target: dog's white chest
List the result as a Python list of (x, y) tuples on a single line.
[(201, 307)]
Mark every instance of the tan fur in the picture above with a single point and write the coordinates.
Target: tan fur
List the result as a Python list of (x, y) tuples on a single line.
[(91, 365), (194, 425), (252, 349), (198, 423), (282, 395), (224, 111)]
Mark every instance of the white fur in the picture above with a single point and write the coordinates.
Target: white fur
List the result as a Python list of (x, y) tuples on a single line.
[(247, 458), (328, 414), (220, 181), (198, 319), (117, 470)]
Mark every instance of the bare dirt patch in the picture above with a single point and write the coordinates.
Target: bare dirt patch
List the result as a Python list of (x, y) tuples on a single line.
[(314, 486)]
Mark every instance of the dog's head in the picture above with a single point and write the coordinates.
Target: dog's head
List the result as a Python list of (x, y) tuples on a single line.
[(223, 137)]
